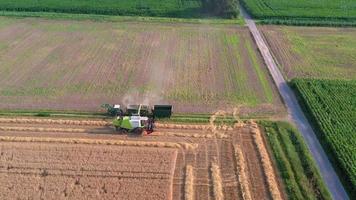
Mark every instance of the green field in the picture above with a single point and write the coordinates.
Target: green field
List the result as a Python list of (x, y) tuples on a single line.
[(321, 10), (167, 8), (300, 175), (313, 52), (331, 106)]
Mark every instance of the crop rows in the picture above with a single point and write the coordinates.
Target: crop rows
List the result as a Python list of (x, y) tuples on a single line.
[(189, 183), (313, 52), (266, 162), (301, 177), (168, 8), (196, 69), (322, 10), (97, 141), (241, 173), (42, 170), (332, 108)]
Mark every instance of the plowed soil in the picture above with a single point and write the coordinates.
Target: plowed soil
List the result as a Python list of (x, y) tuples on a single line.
[(82, 166)]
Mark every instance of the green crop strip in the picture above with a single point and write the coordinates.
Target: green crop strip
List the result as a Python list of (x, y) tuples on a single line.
[(331, 107), (301, 178), (261, 75), (304, 12)]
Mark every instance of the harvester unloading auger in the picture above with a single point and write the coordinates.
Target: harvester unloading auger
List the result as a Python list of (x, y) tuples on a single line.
[(135, 119)]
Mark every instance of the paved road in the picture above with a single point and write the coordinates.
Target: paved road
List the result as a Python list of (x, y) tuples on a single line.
[(295, 113)]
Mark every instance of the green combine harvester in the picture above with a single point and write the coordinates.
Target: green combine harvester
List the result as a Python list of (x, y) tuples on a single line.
[(136, 119)]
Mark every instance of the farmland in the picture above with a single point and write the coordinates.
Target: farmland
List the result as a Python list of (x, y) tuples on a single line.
[(321, 10), (313, 52), (175, 162), (78, 65), (167, 8), (331, 107), (297, 168)]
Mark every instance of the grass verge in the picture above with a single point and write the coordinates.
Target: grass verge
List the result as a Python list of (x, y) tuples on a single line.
[(300, 175)]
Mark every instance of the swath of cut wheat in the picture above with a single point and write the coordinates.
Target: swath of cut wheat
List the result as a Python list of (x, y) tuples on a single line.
[(188, 146), (189, 183), (266, 162), (241, 173), (217, 182)]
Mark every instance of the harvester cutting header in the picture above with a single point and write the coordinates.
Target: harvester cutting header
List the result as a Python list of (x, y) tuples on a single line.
[(135, 119)]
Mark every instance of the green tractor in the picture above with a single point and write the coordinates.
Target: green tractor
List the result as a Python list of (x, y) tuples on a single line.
[(136, 119)]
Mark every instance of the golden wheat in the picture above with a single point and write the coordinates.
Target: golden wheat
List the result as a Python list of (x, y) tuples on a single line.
[(40, 129), (177, 134), (55, 121), (241, 173), (189, 183), (100, 141), (266, 162), (217, 182)]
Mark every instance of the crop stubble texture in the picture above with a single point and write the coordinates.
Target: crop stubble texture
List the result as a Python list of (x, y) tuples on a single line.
[(313, 52), (78, 65), (52, 171), (99, 166)]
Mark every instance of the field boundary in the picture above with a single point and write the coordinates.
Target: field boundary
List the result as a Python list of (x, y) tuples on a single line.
[(266, 163), (302, 21), (307, 22), (116, 18), (179, 145), (296, 114), (301, 178)]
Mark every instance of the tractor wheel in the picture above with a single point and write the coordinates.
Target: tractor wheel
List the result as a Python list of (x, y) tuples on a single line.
[(137, 131), (123, 131)]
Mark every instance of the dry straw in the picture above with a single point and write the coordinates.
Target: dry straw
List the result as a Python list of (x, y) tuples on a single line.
[(241, 173), (39, 129), (218, 131), (102, 142), (266, 162), (217, 182), (189, 183), (178, 134), (55, 121)]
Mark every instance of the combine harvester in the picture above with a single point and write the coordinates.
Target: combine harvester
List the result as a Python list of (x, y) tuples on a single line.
[(136, 119)]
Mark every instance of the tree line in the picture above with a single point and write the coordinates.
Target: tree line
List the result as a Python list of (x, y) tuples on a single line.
[(223, 8)]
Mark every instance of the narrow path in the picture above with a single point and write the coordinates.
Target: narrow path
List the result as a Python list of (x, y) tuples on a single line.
[(295, 113)]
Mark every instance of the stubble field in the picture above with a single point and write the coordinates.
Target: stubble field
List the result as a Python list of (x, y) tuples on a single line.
[(54, 159), (313, 52), (78, 65)]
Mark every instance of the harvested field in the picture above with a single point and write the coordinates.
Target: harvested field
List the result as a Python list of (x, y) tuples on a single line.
[(311, 52), (97, 163), (48, 170), (78, 65)]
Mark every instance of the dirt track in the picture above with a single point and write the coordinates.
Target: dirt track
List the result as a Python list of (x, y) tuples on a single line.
[(296, 114), (96, 169)]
